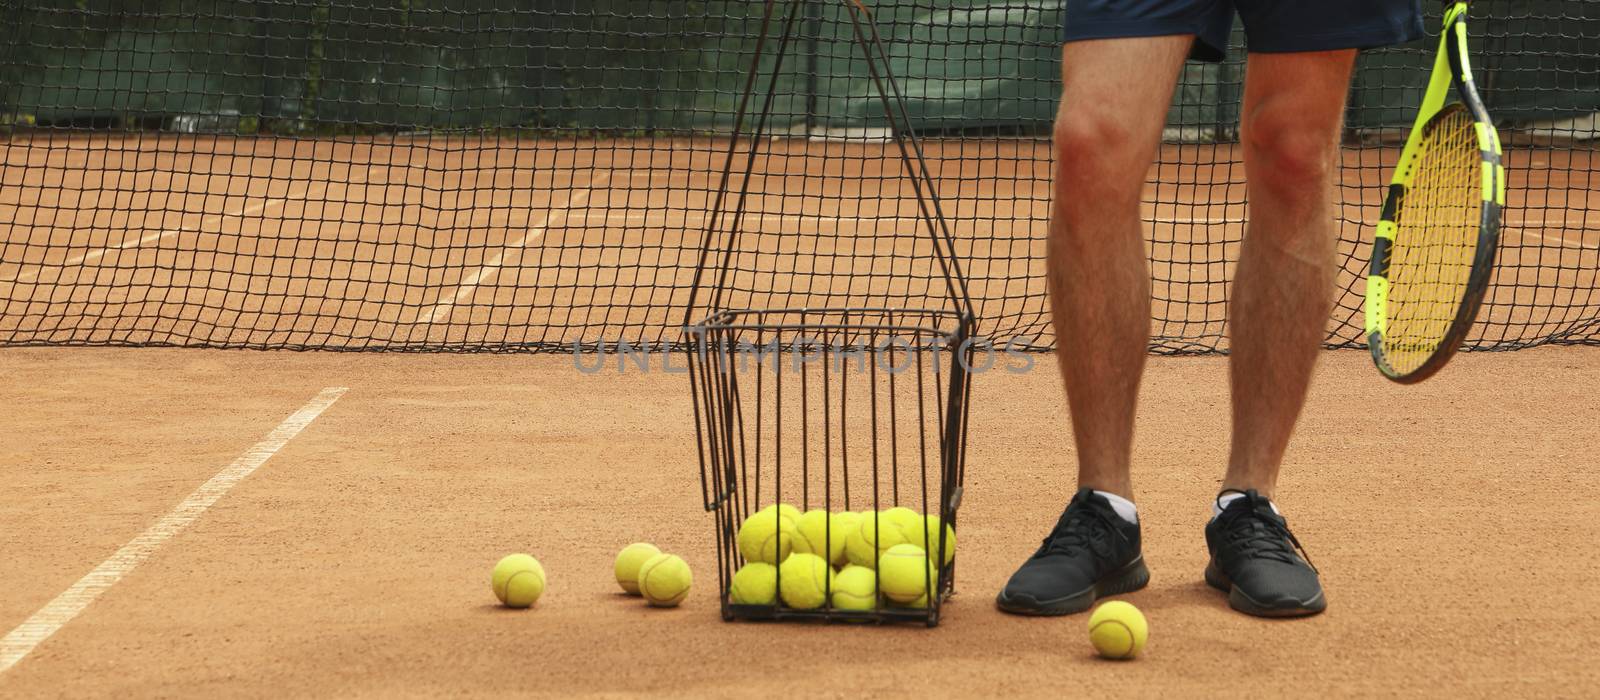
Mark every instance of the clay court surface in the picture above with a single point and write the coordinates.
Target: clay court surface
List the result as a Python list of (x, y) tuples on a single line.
[(1452, 522)]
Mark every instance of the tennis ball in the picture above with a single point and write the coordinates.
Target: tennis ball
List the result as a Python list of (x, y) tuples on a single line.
[(767, 535), (931, 531), (518, 580), (664, 580), (816, 525), (855, 588), (918, 603), (755, 583), (628, 561), (878, 532), (905, 574), (1118, 630), (903, 517), (803, 581)]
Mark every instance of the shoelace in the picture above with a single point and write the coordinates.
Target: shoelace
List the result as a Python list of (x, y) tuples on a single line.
[(1261, 536), (1080, 527)]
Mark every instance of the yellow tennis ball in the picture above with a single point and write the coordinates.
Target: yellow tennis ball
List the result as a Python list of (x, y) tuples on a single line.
[(518, 580), (767, 535), (664, 580), (803, 581), (755, 583), (1118, 630), (858, 551), (905, 574), (855, 588), (918, 603), (628, 562), (904, 518), (845, 524), (815, 526), (931, 532), (879, 531)]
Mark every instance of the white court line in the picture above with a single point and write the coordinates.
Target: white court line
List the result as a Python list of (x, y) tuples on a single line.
[(31, 275), (837, 219), (442, 308), (665, 219), (50, 618), (1560, 241)]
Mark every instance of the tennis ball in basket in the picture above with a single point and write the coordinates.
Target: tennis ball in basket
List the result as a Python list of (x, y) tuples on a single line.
[(905, 574), (817, 525), (855, 588), (846, 524), (518, 580), (932, 544), (628, 562), (803, 581), (918, 603), (1118, 630), (755, 583), (880, 531), (664, 580), (767, 536)]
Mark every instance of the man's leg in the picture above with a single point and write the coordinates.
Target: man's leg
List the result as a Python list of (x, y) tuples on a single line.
[(1282, 291), (1114, 101)]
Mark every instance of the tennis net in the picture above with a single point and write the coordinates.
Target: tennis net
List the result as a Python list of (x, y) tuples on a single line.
[(504, 177)]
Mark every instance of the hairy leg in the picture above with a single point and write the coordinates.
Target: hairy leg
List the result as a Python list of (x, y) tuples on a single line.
[(1114, 102), (1283, 289)]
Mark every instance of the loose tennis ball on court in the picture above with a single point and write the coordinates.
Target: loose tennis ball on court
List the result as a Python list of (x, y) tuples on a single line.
[(932, 523), (815, 526), (754, 584), (628, 562), (767, 536), (1118, 630), (803, 581), (855, 588), (664, 580), (518, 580), (905, 574)]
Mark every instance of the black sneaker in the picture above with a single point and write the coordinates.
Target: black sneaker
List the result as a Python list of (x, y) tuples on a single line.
[(1254, 559), (1092, 553)]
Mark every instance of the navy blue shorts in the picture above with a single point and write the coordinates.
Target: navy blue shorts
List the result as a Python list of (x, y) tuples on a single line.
[(1271, 26)]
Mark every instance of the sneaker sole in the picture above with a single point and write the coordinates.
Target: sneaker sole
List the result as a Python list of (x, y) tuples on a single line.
[(1131, 577), (1247, 605)]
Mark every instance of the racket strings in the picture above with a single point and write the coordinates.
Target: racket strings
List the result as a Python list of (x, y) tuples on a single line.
[(1435, 241)]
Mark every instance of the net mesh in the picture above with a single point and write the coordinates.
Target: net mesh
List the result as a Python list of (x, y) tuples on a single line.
[(1435, 241), (499, 176)]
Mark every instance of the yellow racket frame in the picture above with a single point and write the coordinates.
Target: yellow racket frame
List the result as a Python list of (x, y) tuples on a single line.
[(1397, 357)]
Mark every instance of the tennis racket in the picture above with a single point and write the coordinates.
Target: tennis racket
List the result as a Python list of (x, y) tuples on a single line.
[(1435, 245)]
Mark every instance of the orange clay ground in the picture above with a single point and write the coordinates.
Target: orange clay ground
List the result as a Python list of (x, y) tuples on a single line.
[(1454, 522)]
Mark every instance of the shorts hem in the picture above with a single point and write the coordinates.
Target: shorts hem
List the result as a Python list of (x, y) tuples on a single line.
[(1358, 39), (1092, 30)]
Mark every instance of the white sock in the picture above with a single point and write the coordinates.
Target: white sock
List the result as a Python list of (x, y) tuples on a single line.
[(1124, 507), (1221, 504)]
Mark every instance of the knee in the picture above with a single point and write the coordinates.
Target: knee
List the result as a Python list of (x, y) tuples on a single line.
[(1285, 153), (1093, 162)]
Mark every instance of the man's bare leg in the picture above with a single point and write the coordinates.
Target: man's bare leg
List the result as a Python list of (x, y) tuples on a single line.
[(1283, 289), (1114, 102)]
